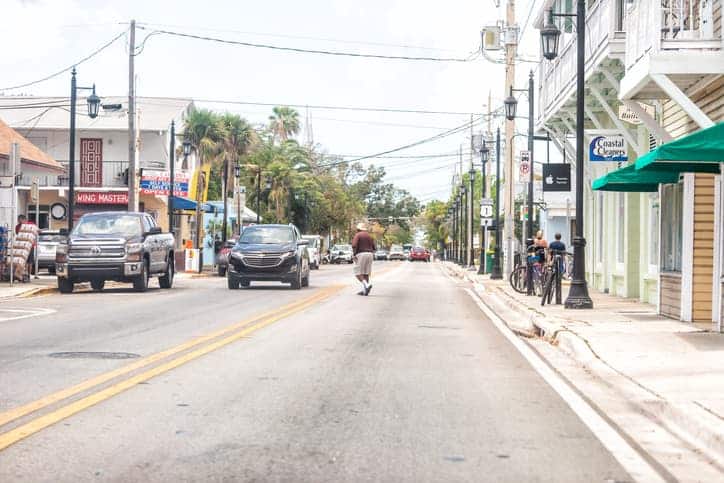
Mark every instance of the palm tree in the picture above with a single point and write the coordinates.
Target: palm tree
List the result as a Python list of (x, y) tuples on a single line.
[(205, 132), (239, 137), (284, 123)]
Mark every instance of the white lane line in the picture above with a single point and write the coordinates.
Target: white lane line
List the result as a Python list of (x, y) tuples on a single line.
[(15, 314), (636, 466)]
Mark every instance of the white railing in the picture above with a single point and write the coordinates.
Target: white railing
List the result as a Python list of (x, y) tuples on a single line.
[(558, 77), (656, 25)]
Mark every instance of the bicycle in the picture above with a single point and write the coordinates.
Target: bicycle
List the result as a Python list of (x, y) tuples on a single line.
[(552, 279), (519, 276)]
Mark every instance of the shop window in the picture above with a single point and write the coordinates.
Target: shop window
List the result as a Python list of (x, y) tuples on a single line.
[(620, 227), (672, 197)]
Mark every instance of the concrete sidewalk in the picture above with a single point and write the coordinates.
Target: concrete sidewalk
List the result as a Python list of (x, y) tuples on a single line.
[(43, 284), (670, 369)]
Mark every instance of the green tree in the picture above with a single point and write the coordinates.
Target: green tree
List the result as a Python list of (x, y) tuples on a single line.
[(284, 123)]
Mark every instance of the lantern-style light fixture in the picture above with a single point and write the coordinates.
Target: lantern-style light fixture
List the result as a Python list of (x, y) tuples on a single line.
[(472, 173), (268, 183), (237, 171), (94, 103), (550, 35), (511, 104), (187, 147), (484, 152)]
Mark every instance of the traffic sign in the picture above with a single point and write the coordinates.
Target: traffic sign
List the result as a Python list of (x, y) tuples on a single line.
[(486, 208), (524, 167)]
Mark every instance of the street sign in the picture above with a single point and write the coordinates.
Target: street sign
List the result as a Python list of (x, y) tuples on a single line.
[(626, 114), (556, 177), (524, 167), (34, 190), (607, 145), (486, 208)]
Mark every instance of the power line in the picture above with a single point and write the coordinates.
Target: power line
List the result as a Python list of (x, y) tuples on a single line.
[(307, 51), (332, 107), (299, 37), (66, 69)]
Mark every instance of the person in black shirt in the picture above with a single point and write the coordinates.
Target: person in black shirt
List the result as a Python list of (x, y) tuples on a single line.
[(557, 245)]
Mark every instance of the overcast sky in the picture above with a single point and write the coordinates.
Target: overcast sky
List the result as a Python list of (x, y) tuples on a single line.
[(48, 35)]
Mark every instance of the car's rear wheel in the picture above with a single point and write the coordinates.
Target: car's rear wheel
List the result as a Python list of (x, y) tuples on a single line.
[(245, 283), (65, 285), (97, 285), (221, 270)]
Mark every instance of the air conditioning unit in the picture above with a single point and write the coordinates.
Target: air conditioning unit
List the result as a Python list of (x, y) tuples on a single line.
[(491, 38)]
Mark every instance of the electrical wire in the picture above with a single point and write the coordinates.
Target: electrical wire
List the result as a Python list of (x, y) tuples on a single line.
[(307, 51), (66, 69)]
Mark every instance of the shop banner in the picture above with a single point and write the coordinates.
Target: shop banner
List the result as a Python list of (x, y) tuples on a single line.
[(556, 177), (607, 146), (157, 183), (101, 197)]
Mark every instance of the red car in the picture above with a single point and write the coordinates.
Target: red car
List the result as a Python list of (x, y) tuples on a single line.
[(419, 253)]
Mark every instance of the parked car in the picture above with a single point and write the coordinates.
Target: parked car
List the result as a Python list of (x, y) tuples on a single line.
[(222, 258), (380, 255), (116, 245), (269, 253), (419, 253), (396, 253), (342, 253), (314, 248), (48, 241)]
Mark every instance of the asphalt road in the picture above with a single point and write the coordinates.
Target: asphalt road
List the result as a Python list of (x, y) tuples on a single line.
[(412, 383)]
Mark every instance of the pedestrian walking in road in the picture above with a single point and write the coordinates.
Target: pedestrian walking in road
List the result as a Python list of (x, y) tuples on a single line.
[(363, 248)]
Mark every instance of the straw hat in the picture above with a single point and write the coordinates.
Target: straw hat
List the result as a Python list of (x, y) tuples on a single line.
[(361, 226)]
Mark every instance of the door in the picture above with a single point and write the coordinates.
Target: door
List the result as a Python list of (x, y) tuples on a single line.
[(91, 162)]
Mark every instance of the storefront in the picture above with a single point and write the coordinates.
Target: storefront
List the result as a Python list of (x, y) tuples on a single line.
[(686, 173)]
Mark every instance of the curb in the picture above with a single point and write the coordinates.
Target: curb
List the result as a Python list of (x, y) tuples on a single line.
[(688, 421)]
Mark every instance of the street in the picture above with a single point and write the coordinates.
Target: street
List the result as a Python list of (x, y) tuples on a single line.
[(412, 383)]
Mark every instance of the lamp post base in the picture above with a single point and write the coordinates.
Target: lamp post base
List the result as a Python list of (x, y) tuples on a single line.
[(578, 297), (496, 273)]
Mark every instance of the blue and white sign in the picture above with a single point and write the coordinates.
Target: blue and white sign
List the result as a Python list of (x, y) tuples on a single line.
[(607, 146)]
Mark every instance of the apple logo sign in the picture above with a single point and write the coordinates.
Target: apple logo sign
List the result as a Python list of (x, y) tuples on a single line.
[(549, 179)]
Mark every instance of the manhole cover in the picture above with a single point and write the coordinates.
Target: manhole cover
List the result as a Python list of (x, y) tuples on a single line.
[(93, 355)]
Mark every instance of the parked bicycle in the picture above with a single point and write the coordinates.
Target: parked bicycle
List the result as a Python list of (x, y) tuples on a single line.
[(552, 277), (519, 276)]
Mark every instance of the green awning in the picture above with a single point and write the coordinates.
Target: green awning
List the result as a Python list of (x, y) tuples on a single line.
[(699, 152), (630, 179)]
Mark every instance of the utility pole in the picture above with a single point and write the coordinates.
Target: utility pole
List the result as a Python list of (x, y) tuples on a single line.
[(469, 255), (171, 175), (510, 53), (132, 168)]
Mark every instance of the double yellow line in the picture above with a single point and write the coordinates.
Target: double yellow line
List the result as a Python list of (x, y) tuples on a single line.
[(200, 345)]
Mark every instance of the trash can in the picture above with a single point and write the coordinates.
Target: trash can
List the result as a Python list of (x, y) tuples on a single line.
[(489, 257)]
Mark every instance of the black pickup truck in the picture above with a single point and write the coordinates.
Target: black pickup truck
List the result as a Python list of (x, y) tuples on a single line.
[(115, 245)]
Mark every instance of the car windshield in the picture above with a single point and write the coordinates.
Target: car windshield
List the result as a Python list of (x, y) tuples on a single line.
[(342, 248), (266, 235), (313, 242), (109, 224), (396, 248)]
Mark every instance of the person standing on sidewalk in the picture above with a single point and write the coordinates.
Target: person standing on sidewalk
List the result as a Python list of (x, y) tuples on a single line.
[(363, 248)]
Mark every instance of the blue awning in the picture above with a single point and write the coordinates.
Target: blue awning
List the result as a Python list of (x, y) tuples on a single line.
[(186, 204)]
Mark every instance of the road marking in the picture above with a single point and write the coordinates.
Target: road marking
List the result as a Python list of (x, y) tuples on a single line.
[(15, 314), (58, 396), (636, 466)]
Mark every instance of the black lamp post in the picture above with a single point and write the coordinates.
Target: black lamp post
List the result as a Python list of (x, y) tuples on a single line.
[(471, 250), (578, 297), (496, 273), (511, 104), (484, 153), (94, 103), (237, 176), (464, 227), (457, 228), (171, 175)]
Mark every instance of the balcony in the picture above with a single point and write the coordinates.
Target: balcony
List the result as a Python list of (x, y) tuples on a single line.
[(680, 39), (605, 41), (112, 174)]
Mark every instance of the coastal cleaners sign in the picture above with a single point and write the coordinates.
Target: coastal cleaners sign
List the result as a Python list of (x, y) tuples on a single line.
[(157, 183), (608, 145)]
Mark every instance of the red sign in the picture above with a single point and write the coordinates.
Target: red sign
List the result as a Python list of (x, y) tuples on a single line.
[(101, 197), (91, 162)]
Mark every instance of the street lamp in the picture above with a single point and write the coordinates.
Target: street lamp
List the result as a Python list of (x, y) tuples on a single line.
[(94, 103), (464, 227), (578, 297), (496, 273), (186, 147), (511, 104), (471, 251)]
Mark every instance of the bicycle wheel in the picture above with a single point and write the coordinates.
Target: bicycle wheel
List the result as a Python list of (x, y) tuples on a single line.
[(517, 279)]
